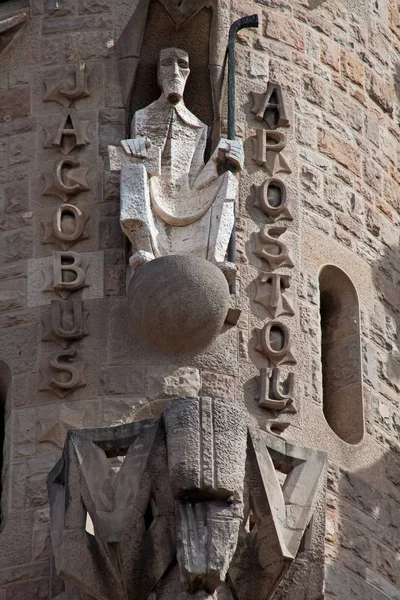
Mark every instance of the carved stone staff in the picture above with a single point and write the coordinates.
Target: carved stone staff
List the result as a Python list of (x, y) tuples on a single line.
[(249, 21)]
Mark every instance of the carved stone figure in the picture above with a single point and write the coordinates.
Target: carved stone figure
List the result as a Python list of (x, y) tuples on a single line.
[(184, 16), (271, 249), (271, 198), (196, 507), (275, 394), (171, 202), (267, 151)]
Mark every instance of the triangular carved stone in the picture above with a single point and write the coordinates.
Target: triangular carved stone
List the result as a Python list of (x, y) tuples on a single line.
[(9, 28), (282, 513), (118, 561)]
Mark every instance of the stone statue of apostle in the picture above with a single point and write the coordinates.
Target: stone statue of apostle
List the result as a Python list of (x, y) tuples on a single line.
[(171, 202)]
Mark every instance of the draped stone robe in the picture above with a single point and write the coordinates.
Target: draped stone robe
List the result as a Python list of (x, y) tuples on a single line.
[(188, 208)]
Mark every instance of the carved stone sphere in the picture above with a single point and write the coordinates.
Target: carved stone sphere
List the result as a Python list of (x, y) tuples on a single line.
[(178, 303)]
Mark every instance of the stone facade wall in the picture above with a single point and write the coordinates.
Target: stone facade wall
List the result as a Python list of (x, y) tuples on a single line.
[(339, 69), (337, 64)]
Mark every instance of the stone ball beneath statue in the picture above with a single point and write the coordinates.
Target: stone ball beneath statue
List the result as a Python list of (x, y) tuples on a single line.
[(178, 304)]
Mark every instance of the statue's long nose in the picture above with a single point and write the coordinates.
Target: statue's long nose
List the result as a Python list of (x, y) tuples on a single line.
[(175, 67)]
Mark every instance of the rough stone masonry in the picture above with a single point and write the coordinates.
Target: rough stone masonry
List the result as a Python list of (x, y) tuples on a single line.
[(206, 444)]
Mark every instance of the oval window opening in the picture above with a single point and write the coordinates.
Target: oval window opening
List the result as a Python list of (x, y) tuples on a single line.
[(341, 355)]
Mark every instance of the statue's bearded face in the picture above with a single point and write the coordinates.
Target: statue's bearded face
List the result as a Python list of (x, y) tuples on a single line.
[(173, 71)]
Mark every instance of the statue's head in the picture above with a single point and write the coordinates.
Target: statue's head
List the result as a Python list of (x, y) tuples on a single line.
[(173, 71)]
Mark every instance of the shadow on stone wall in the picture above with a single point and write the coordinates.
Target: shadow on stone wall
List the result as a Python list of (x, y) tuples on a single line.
[(363, 521), (396, 77), (363, 509), (382, 341), (315, 3)]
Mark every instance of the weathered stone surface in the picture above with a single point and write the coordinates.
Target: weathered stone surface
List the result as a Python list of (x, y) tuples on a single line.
[(285, 30), (207, 461), (352, 68), (94, 6), (16, 197), (380, 92), (114, 280), (25, 432), (16, 246), (12, 294), (183, 11), (41, 534), (217, 385), (36, 494), (170, 382), (110, 233), (54, 423), (315, 90), (336, 64), (40, 273), (18, 126), (330, 54), (178, 294), (61, 9), (14, 104), (36, 570), (10, 27), (340, 150), (17, 538), (124, 409), (21, 149), (123, 380), (29, 590)]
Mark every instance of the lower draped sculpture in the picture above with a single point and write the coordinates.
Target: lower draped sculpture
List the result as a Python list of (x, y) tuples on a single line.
[(195, 508)]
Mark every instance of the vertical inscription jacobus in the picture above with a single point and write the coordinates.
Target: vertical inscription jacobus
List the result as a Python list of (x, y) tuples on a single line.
[(272, 287), (66, 323)]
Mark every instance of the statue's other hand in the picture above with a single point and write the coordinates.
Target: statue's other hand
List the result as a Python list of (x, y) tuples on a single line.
[(230, 153), (136, 147)]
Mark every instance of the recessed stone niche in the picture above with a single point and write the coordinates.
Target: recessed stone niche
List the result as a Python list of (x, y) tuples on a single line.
[(341, 355)]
